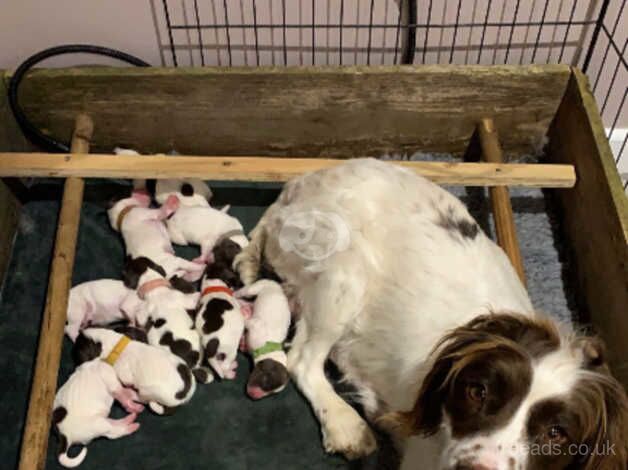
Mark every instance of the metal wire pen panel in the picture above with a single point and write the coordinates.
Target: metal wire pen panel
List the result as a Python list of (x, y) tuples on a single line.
[(588, 34)]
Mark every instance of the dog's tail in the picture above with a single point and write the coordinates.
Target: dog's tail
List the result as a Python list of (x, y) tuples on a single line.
[(249, 260), (70, 462)]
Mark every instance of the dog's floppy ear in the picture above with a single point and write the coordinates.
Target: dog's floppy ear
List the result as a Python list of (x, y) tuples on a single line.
[(135, 267), (85, 349)]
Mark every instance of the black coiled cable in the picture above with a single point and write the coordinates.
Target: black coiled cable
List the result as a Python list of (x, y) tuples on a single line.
[(30, 131)]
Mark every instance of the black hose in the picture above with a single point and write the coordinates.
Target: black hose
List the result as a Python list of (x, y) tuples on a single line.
[(30, 131)]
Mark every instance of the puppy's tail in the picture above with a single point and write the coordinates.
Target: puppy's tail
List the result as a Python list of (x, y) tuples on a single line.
[(248, 261), (71, 462)]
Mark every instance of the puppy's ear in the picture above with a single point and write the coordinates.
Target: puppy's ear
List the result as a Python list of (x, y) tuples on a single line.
[(132, 271), (182, 285), (593, 353), (85, 349)]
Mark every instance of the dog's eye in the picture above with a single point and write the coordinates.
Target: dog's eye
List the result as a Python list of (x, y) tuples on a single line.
[(556, 434), (476, 393), (221, 356)]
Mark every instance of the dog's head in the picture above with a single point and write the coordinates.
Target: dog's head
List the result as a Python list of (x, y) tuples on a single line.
[(86, 348), (118, 208), (222, 265), (268, 377), (512, 392)]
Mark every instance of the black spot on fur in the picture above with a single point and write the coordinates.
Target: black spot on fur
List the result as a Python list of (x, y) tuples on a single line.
[(221, 356), (159, 322), (186, 376), (222, 267), (149, 324), (200, 375), (58, 414), (182, 285), (135, 267), (136, 334), (192, 312), (213, 314), (85, 349), (465, 227), (181, 348), (211, 348), (187, 189), (269, 375)]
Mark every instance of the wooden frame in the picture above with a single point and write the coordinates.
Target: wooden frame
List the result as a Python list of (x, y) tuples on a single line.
[(595, 213)]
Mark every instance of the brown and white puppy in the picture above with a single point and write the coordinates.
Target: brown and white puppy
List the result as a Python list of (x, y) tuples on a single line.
[(99, 303), (145, 234), (219, 317), (169, 314), (385, 265), (82, 406), (266, 330), (161, 379)]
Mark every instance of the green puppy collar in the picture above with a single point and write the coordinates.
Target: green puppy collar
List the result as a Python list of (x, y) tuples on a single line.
[(269, 346)]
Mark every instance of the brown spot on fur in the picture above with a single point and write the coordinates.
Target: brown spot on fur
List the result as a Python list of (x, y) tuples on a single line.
[(211, 348), (187, 189), (465, 227), (181, 348), (186, 376), (212, 315), (135, 267)]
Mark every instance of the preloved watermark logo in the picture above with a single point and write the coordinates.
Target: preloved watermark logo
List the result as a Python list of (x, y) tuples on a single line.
[(314, 235)]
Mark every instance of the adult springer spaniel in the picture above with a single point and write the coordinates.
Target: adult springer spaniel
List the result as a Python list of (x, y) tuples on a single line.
[(397, 284)]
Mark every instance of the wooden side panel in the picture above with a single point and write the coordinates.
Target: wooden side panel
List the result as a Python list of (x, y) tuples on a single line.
[(304, 112), (595, 218)]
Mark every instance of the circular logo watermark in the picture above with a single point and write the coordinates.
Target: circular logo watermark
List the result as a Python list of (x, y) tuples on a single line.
[(314, 235)]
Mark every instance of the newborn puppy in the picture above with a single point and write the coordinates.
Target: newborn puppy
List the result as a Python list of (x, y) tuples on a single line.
[(82, 406), (100, 303), (161, 379), (191, 192), (219, 320), (146, 235), (206, 227), (170, 322), (265, 332)]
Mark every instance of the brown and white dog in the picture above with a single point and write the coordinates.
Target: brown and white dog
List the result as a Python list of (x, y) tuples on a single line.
[(145, 234), (425, 314), (161, 379), (82, 406), (266, 330)]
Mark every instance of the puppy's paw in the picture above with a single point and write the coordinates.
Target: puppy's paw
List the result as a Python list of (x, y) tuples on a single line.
[(345, 432), (131, 428)]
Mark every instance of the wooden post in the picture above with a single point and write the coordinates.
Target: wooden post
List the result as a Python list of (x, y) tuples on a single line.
[(37, 429), (500, 199)]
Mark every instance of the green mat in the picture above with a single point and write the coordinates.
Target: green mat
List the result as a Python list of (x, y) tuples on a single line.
[(221, 428)]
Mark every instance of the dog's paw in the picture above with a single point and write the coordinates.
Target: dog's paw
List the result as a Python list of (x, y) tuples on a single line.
[(172, 203), (345, 432), (131, 428)]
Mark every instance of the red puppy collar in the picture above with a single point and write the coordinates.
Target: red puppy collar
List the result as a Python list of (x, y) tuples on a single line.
[(210, 289)]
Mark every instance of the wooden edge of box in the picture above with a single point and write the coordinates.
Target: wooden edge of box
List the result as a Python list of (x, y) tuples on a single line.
[(594, 218)]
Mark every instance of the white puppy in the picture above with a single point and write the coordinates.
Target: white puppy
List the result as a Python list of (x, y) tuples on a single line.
[(220, 324), (170, 315), (145, 234), (266, 331), (206, 227), (190, 191), (100, 303), (82, 406), (161, 379)]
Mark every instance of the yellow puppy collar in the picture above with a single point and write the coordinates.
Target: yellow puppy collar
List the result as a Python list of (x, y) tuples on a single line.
[(117, 350)]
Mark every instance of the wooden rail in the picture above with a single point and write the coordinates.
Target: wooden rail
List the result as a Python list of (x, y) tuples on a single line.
[(500, 199), (44, 386), (269, 169)]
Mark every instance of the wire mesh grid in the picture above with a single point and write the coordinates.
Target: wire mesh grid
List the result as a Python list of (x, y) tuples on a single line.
[(589, 34)]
